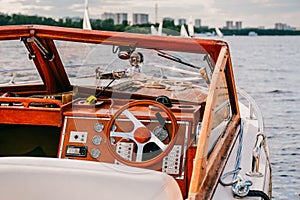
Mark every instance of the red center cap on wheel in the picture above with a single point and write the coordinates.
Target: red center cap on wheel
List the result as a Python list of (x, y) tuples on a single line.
[(142, 135)]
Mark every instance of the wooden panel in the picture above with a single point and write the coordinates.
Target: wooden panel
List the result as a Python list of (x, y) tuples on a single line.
[(35, 111), (85, 125), (48, 117)]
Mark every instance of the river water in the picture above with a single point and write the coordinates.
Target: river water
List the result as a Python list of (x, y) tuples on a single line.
[(268, 68)]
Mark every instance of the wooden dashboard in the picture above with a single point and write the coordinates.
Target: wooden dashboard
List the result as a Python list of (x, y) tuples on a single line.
[(84, 135)]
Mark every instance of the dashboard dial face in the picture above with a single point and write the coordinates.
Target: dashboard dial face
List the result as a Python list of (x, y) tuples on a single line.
[(161, 133), (98, 127), (97, 139), (95, 153), (164, 100)]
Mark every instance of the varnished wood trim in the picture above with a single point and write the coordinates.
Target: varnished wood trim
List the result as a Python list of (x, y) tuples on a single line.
[(200, 163), (193, 45)]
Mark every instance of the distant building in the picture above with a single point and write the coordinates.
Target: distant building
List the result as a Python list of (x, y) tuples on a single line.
[(181, 21), (197, 23), (282, 26), (119, 18), (229, 25), (140, 18), (107, 15), (238, 25)]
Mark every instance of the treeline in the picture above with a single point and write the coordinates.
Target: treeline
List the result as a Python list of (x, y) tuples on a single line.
[(97, 24), (246, 31), (19, 19)]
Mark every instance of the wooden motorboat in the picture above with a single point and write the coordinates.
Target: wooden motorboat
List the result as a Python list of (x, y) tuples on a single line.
[(109, 115)]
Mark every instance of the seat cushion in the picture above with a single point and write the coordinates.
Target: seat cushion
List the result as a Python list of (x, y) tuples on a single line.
[(32, 178)]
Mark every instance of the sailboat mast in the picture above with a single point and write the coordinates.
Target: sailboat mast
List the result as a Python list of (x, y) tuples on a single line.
[(86, 19)]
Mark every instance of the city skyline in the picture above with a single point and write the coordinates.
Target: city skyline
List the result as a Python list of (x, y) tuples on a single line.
[(253, 13)]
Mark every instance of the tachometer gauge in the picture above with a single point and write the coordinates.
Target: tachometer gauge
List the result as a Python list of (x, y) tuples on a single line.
[(161, 133)]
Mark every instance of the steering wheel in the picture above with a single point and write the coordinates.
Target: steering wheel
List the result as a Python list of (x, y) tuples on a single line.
[(139, 134)]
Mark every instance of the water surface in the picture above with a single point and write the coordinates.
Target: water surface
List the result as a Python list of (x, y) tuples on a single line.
[(268, 67)]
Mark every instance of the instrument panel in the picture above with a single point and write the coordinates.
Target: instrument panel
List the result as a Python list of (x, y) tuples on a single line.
[(89, 138)]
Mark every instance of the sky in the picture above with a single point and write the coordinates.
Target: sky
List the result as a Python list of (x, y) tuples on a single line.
[(213, 13)]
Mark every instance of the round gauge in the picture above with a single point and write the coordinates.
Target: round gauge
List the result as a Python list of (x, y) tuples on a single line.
[(98, 127), (97, 139), (95, 153), (161, 133), (164, 100)]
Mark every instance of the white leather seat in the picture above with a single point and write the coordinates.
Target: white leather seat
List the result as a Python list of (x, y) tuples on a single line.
[(32, 178)]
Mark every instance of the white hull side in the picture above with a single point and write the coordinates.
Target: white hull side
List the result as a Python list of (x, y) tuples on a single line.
[(250, 129)]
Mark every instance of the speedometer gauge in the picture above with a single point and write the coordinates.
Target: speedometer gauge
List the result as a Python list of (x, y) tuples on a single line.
[(161, 133)]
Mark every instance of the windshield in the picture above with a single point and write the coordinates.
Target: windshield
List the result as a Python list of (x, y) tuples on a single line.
[(178, 75)]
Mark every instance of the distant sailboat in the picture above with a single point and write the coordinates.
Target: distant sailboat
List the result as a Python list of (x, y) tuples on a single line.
[(183, 31), (160, 27), (86, 20), (153, 30), (191, 27), (219, 33), (157, 32)]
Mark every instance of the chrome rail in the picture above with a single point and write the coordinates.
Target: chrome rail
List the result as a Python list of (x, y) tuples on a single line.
[(255, 113)]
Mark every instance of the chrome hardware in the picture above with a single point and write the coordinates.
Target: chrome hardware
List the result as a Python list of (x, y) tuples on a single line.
[(31, 53), (256, 114), (49, 55), (260, 140), (124, 52)]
